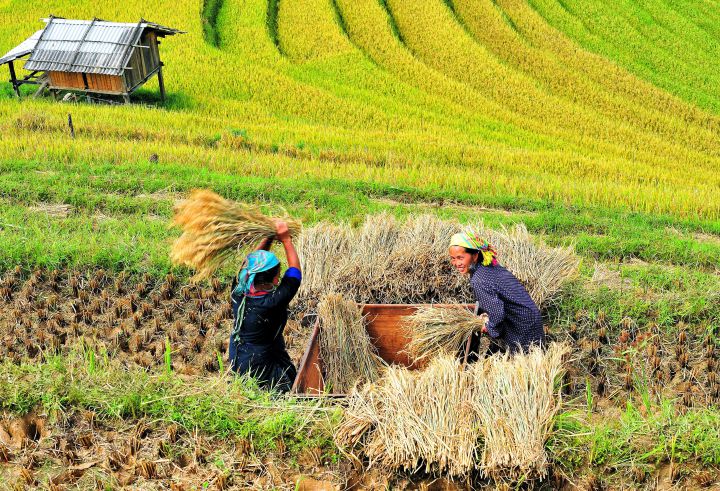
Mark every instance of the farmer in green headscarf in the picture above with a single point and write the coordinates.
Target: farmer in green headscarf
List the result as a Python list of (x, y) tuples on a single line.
[(260, 308)]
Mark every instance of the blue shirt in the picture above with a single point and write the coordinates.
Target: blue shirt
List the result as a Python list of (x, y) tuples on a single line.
[(513, 315)]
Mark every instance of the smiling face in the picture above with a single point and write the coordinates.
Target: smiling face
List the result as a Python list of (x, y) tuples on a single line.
[(461, 259)]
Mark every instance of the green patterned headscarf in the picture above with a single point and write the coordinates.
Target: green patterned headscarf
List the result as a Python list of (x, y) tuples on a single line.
[(471, 240)]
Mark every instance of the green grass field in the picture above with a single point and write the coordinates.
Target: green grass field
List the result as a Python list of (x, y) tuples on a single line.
[(596, 124)]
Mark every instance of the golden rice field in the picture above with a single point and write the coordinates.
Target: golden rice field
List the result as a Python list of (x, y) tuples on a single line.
[(503, 98)]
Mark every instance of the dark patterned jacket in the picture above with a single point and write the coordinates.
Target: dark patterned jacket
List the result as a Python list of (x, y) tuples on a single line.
[(514, 317)]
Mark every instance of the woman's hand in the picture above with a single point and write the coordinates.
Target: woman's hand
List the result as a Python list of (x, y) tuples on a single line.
[(281, 231), (486, 318), (283, 235)]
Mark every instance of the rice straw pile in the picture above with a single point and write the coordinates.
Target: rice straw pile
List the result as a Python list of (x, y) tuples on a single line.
[(496, 416), (382, 261), (319, 268), (415, 420), (541, 269), (419, 267), (362, 273), (390, 261), (348, 355), (515, 400), (215, 229), (441, 330)]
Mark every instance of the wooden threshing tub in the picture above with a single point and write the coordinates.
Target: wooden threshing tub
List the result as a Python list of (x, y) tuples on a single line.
[(385, 325)]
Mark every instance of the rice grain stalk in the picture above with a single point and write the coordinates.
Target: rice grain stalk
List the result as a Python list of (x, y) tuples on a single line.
[(362, 276), (515, 399), (441, 330), (419, 270), (215, 229), (348, 355)]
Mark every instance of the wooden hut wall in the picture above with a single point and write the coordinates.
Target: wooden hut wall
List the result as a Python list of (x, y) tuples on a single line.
[(105, 83), (66, 80), (151, 56), (143, 61), (95, 82), (133, 74)]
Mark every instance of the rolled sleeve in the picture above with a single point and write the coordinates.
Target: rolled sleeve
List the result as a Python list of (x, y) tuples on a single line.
[(293, 273)]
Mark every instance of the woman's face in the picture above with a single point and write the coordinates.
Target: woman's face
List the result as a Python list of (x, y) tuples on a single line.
[(461, 259)]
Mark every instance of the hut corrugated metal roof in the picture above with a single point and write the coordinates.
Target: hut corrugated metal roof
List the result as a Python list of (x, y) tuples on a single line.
[(89, 46), (22, 49)]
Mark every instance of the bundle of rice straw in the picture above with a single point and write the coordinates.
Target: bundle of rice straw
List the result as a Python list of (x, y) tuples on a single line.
[(383, 261), (361, 274), (441, 330), (215, 229), (414, 420), (418, 266), (347, 353), (515, 399), (496, 416)]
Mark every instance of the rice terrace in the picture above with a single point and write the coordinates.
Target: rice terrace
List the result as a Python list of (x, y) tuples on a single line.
[(360, 244)]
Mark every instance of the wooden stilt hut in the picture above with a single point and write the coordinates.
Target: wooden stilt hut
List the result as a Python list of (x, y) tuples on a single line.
[(91, 56)]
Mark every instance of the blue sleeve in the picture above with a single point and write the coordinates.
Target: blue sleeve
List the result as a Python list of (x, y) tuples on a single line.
[(491, 304), (293, 273)]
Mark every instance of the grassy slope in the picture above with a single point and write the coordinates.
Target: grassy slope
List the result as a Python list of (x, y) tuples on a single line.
[(541, 133), (671, 44)]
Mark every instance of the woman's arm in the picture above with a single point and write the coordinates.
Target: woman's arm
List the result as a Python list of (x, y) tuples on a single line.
[(265, 244), (490, 304), (283, 235)]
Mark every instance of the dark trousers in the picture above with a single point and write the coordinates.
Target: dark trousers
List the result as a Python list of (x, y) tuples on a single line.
[(270, 365), (478, 349)]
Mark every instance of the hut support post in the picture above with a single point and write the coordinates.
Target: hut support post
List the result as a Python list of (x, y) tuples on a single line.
[(161, 82), (13, 79)]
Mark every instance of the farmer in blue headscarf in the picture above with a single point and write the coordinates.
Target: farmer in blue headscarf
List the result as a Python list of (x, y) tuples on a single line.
[(514, 321), (260, 309)]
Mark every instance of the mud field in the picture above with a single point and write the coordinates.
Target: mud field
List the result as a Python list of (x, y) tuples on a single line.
[(132, 321)]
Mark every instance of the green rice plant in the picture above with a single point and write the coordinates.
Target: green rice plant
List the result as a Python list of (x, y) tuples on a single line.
[(168, 356), (566, 125), (648, 48), (221, 364)]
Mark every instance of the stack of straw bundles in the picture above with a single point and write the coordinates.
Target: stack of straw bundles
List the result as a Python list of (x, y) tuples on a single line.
[(389, 261), (415, 420), (496, 416), (515, 399)]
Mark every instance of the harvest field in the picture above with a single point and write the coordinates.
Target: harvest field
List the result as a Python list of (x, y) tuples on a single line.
[(593, 124)]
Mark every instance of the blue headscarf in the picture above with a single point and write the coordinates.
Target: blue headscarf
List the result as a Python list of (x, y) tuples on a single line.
[(256, 262)]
